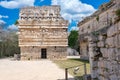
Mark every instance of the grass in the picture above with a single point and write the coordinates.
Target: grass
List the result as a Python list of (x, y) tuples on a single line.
[(71, 63)]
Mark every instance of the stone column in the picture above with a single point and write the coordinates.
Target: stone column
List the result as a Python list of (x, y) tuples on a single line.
[(93, 63)]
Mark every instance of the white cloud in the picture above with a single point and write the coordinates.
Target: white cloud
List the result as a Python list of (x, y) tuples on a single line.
[(74, 9), (2, 22), (74, 28), (2, 16), (16, 3), (12, 27), (41, 0)]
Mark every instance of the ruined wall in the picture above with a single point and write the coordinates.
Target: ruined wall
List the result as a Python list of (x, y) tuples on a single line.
[(102, 32), (104, 53), (97, 21)]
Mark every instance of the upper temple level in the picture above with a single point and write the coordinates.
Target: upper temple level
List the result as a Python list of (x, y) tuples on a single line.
[(40, 12), (45, 15)]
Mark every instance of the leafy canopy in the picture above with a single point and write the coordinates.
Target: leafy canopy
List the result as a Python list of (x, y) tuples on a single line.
[(73, 39)]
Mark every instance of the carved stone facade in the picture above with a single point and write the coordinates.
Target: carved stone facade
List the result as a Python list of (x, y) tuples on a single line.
[(42, 33), (101, 33)]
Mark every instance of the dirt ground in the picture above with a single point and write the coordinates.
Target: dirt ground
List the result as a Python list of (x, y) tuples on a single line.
[(30, 70)]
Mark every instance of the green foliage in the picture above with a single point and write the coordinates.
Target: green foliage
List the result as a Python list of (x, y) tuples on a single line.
[(16, 22), (95, 33), (9, 44), (117, 19), (97, 18), (73, 39), (118, 12), (72, 63)]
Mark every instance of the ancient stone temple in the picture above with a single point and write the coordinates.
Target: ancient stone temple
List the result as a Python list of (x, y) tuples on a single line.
[(99, 36), (42, 33)]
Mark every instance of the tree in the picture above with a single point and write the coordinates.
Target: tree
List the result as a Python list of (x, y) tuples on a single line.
[(8, 43), (16, 22), (73, 39)]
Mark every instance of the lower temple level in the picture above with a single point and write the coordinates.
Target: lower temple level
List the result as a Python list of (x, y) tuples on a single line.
[(34, 52)]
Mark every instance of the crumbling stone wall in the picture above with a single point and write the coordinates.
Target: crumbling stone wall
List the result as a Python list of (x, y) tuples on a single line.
[(104, 53), (103, 34)]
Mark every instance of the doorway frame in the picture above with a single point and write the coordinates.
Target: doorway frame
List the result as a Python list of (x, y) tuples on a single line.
[(43, 53)]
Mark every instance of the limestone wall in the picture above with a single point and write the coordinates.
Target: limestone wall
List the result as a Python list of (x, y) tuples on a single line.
[(57, 52), (103, 43), (43, 37), (104, 53), (105, 18), (34, 53)]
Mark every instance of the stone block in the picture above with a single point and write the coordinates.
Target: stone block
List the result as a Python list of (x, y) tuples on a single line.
[(101, 44), (113, 77), (119, 41), (111, 54), (110, 42), (116, 41), (92, 45), (112, 31), (118, 25), (115, 30), (118, 58), (104, 52), (117, 50), (108, 65), (100, 37), (101, 64)]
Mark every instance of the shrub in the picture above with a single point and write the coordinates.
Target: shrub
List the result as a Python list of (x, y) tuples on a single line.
[(117, 12), (117, 19), (16, 22), (97, 18)]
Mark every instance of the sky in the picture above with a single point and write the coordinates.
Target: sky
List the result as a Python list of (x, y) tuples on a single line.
[(71, 10)]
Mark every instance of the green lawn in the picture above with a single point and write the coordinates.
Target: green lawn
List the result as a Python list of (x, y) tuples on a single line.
[(71, 63)]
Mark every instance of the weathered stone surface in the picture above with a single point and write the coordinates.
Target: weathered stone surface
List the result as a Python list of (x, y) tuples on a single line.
[(43, 33), (118, 25), (101, 44), (117, 50), (111, 31), (106, 36), (113, 77), (116, 41), (111, 54), (101, 38), (104, 52), (110, 42), (119, 41)]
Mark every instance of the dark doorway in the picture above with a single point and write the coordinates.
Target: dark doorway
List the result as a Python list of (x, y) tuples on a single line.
[(43, 53)]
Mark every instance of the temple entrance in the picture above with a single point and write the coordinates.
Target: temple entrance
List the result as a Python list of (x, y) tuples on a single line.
[(43, 53)]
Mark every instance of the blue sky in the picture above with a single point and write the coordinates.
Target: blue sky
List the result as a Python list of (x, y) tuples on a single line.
[(71, 10)]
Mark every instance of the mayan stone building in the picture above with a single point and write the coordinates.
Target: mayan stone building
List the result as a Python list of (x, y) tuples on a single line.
[(99, 36), (42, 33)]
